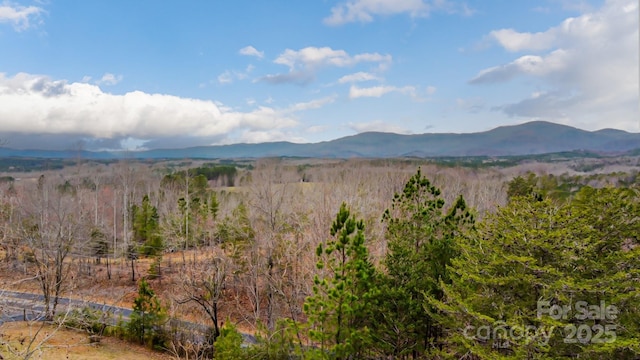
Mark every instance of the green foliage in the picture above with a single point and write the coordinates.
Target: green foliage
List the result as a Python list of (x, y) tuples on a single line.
[(86, 319), (228, 346), (155, 270), (198, 186), (146, 228), (216, 172), (147, 319), (281, 343), (520, 186), (564, 187), (99, 243), (420, 235), (196, 211), (200, 176), (173, 180), (66, 188), (235, 232), (533, 252), (214, 205), (339, 310)]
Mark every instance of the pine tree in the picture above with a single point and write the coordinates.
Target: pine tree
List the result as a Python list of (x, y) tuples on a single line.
[(147, 318), (339, 310), (146, 227), (420, 236), (533, 255), (228, 346), (236, 231), (520, 186)]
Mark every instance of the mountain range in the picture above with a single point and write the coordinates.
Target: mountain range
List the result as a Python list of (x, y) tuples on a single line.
[(531, 138)]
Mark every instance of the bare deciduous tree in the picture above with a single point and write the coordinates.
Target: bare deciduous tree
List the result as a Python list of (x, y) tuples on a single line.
[(203, 282), (53, 227), (33, 344)]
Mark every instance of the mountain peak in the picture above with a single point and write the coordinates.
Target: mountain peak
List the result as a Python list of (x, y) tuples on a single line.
[(536, 137)]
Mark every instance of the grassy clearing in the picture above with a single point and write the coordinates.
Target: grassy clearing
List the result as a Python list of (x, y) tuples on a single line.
[(69, 344)]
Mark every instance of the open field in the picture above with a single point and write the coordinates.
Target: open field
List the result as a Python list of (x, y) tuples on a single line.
[(69, 344)]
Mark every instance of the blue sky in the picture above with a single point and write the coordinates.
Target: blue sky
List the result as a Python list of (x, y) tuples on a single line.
[(173, 73)]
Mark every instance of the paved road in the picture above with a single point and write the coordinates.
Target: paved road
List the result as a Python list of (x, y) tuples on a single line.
[(20, 306)]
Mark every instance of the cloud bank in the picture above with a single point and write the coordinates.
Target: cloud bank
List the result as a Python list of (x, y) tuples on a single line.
[(584, 66), (39, 105)]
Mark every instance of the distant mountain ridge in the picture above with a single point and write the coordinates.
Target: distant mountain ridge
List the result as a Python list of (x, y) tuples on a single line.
[(531, 138)]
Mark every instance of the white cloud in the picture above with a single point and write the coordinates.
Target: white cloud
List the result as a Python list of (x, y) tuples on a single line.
[(314, 57), (358, 77), (529, 64), (253, 137), (251, 51), (365, 10), (109, 79), (517, 41), (21, 17), (315, 129), (292, 77), (35, 104), (304, 63), (226, 77), (314, 104), (586, 68), (379, 126), (229, 76), (378, 91)]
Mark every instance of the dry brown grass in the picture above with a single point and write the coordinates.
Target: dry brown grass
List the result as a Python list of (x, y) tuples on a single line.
[(70, 344)]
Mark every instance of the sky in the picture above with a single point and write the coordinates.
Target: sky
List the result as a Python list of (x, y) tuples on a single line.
[(143, 74)]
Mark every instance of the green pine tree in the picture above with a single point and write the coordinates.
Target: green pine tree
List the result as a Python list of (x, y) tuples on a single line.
[(420, 234), (147, 318), (532, 255), (228, 346), (146, 227), (339, 311)]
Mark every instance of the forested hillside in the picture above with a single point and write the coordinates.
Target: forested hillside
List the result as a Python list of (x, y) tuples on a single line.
[(333, 259)]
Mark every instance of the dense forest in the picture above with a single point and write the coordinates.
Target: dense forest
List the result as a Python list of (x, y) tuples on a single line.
[(334, 259)]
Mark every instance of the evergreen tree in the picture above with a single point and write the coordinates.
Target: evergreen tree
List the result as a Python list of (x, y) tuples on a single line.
[(533, 256), (146, 227), (236, 231), (228, 346), (520, 186), (339, 311), (147, 318), (214, 206), (420, 235)]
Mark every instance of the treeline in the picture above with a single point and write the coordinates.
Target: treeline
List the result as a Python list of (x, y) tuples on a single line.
[(222, 175), (564, 187), (32, 164)]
